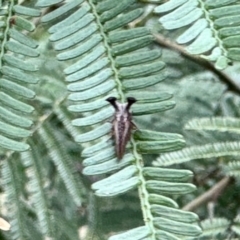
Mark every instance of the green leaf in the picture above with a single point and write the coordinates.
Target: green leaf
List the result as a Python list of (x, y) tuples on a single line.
[(131, 45), (189, 18), (10, 177), (214, 227), (147, 135), (229, 31), (94, 134), (227, 21), (86, 60), (233, 169), (90, 82), (206, 25), (118, 177), (162, 200), (174, 214), (123, 5), (177, 227), (154, 147), (46, 3), (137, 58), (200, 152), (180, 12), (26, 11), (88, 71), (17, 88), (143, 82), (125, 35), (192, 32), (24, 23), (15, 119), (70, 19), (98, 117), (123, 20), (168, 175), (60, 11), (162, 235), (93, 149), (77, 37), (61, 159), (225, 11), (14, 131), (80, 50), (149, 108), (18, 75), (221, 124), (12, 144), (218, 3), (203, 43), (21, 49), (235, 226), (232, 41), (109, 166), (110, 61), (70, 29), (118, 188), (136, 233), (86, 107), (15, 104), (140, 70), (149, 96), (102, 156), (19, 63), (168, 188), (223, 62), (234, 53), (20, 37), (93, 92), (106, 5), (170, 5), (32, 161), (216, 56)]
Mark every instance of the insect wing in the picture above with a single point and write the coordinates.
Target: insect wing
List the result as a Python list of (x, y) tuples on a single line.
[(122, 131), (122, 124)]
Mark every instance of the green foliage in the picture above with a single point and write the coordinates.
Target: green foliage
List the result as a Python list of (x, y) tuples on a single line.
[(218, 228), (114, 65), (211, 28), (16, 75), (60, 175), (215, 228), (215, 124)]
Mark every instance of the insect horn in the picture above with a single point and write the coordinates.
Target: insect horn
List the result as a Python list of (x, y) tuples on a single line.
[(130, 101), (112, 100)]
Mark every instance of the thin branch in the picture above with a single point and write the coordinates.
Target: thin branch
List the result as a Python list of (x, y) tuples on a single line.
[(211, 195), (164, 42)]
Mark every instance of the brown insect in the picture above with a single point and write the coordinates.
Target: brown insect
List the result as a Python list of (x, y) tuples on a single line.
[(122, 124), (12, 20)]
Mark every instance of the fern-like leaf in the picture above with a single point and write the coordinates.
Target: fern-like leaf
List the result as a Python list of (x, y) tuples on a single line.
[(235, 227), (60, 158), (108, 59), (16, 76), (199, 152), (214, 227), (221, 124), (212, 26), (16, 207), (233, 169), (32, 161)]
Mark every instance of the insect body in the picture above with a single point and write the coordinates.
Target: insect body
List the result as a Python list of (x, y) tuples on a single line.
[(122, 124)]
